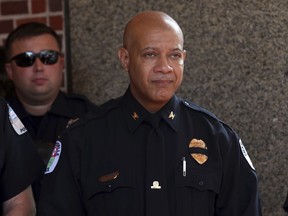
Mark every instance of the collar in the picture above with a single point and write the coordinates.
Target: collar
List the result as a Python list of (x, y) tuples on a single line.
[(60, 105), (57, 106), (135, 113)]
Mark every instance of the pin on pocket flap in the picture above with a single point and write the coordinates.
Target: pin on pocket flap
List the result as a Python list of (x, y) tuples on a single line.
[(108, 177)]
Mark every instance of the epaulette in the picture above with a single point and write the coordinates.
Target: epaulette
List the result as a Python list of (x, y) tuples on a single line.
[(204, 111), (97, 112), (198, 108)]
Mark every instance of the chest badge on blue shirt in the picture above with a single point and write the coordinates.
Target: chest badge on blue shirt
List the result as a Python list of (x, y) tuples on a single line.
[(198, 150)]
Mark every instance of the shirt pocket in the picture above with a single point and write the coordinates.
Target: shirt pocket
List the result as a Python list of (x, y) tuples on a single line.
[(197, 191), (110, 193)]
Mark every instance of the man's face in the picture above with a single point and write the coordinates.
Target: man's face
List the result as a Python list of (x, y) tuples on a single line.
[(39, 82), (155, 65)]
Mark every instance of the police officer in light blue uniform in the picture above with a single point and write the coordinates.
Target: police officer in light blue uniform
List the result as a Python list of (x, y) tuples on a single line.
[(149, 152)]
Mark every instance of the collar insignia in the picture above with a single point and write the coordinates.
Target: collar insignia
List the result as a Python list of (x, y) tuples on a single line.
[(171, 115), (135, 116), (71, 121), (198, 150)]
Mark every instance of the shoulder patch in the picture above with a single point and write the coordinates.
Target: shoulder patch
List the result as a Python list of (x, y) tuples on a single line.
[(16, 122), (245, 154), (54, 157)]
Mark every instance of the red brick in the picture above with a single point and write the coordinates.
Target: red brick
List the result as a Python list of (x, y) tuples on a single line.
[(56, 22), (6, 26), (38, 6), (38, 19), (55, 5), (15, 7)]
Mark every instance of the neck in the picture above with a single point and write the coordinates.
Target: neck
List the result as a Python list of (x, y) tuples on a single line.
[(36, 106), (37, 110)]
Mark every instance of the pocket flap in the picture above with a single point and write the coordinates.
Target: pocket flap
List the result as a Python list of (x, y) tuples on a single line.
[(109, 181), (199, 178)]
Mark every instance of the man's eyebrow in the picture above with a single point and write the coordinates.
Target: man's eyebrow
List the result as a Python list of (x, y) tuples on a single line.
[(149, 48), (177, 49), (154, 48)]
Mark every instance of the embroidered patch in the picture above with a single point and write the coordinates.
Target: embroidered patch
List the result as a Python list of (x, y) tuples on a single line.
[(244, 152), (198, 150), (16, 122), (54, 157)]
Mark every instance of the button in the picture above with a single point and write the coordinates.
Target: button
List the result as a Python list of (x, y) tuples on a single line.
[(109, 185), (201, 183)]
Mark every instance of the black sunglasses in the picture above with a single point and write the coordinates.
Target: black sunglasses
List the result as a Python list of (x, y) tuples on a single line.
[(27, 59)]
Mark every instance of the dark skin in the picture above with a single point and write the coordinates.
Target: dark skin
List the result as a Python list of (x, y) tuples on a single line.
[(153, 56), (21, 205)]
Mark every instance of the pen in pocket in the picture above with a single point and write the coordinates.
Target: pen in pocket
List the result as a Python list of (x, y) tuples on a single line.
[(184, 166)]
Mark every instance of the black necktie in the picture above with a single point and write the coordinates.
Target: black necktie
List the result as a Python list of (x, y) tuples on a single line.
[(156, 185)]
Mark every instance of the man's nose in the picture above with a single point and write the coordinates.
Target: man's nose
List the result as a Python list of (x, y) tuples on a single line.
[(163, 65)]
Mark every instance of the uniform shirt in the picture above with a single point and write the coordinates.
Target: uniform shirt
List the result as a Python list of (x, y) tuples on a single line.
[(102, 165), (20, 164), (44, 130)]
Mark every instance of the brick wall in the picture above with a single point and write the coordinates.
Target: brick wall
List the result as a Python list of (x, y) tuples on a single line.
[(15, 12)]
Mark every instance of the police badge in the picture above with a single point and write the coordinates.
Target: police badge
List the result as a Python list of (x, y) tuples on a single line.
[(198, 150)]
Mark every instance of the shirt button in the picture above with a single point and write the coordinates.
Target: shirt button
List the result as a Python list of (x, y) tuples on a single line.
[(109, 185), (201, 183)]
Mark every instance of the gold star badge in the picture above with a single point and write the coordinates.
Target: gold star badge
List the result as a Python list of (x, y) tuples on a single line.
[(198, 150), (171, 115), (135, 116)]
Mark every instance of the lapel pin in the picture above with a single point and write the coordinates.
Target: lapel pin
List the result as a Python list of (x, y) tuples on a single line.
[(109, 177)]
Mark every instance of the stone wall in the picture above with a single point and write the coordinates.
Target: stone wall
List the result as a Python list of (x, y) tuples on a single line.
[(236, 67)]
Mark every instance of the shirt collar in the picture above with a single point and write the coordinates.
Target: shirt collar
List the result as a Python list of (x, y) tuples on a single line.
[(135, 113), (56, 108)]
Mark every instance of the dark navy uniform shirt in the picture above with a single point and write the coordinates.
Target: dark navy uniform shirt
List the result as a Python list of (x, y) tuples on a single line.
[(20, 164), (105, 165), (44, 130)]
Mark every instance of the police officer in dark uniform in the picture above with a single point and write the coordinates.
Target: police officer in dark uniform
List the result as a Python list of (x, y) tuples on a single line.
[(20, 165), (35, 65), (45, 129), (149, 152)]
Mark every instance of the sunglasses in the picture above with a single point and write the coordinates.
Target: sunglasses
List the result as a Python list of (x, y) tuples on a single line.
[(27, 59)]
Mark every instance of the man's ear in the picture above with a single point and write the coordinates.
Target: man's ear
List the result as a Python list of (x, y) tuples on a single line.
[(123, 56), (9, 70), (184, 55)]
